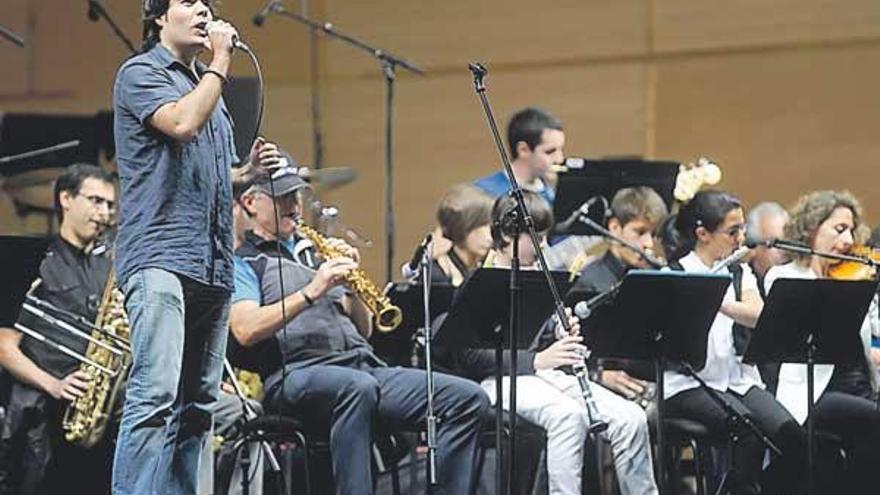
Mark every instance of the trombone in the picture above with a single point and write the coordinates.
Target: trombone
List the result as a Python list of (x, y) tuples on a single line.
[(43, 310)]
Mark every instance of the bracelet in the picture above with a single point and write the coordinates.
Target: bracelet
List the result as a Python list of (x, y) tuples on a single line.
[(217, 73), (309, 300)]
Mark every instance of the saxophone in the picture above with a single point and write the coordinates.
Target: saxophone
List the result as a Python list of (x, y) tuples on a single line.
[(387, 316), (85, 418)]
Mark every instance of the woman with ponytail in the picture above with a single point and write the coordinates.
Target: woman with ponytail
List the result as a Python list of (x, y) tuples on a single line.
[(711, 227)]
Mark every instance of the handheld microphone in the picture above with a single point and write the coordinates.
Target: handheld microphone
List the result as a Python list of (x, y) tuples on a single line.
[(241, 45), (411, 269), (267, 9)]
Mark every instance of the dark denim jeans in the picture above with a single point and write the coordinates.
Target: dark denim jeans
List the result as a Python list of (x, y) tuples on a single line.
[(178, 341), (353, 401)]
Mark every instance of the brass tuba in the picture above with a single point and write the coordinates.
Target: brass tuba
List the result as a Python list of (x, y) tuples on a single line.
[(85, 418), (387, 316)]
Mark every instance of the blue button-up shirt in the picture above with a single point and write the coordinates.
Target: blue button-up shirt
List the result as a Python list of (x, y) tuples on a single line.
[(175, 209)]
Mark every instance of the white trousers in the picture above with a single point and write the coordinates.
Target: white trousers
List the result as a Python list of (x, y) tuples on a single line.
[(552, 400)]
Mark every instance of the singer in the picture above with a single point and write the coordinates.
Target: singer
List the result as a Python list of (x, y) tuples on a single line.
[(175, 147)]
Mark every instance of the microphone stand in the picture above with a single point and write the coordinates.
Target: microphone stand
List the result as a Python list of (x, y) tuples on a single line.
[(733, 418), (798, 248), (97, 11), (39, 152), (388, 63), (12, 37), (241, 445), (523, 222), (431, 417), (584, 308)]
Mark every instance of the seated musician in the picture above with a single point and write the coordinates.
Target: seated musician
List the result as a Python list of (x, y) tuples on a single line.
[(710, 227), (73, 274), (831, 221), (552, 399), (315, 360), (464, 214), (636, 213), (536, 140)]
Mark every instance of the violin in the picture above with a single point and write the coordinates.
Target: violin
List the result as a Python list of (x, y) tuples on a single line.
[(854, 270)]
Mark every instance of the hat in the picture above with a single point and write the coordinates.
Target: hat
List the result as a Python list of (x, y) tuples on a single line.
[(282, 181)]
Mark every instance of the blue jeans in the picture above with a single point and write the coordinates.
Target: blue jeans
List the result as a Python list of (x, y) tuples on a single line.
[(178, 341)]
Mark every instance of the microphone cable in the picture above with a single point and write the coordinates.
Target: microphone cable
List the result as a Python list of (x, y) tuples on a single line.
[(278, 245)]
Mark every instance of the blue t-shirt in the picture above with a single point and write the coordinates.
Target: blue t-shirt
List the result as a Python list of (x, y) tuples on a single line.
[(497, 184), (247, 283), (175, 208)]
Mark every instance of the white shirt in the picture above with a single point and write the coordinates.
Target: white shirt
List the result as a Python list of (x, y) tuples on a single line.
[(792, 389), (724, 370)]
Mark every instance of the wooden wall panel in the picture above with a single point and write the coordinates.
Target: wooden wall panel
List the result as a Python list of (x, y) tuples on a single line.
[(446, 35), (782, 93), (442, 138), (779, 124), (683, 25), (14, 60)]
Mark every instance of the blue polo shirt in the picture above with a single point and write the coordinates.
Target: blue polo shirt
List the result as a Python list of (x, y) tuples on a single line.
[(175, 208), (497, 184)]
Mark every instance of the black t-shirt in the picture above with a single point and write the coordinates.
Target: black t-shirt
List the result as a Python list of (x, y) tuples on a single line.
[(597, 277), (72, 281)]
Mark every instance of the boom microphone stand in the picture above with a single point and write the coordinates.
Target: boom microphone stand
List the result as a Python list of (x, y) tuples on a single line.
[(12, 37), (97, 11), (522, 221), (388, 63)]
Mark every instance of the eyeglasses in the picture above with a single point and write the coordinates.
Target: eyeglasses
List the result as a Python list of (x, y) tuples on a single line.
[(735, 230), (98, 202)]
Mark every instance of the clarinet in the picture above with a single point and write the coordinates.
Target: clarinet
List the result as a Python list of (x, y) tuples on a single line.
[(596, 423)]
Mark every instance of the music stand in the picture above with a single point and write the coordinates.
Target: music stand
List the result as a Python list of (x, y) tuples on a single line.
[(479, 320), (604, 177), (812, 322), (659, 316), (27, 253), (396, 347)]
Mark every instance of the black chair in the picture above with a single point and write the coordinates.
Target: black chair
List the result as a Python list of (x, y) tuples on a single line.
[(530, 449), (275, 429), (683, 433)]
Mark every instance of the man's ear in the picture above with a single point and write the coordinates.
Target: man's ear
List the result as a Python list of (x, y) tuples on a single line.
[(64, 199), (522, 149), (614, 225), (246, 202)]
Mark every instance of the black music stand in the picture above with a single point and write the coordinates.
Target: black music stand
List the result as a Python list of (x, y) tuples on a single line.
[(396, 347), (26, 253), (585, 179), (659, 316), (479, 319), (811, 322)]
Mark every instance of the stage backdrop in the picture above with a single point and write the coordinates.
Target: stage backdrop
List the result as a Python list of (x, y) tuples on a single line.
[(782, 94)]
